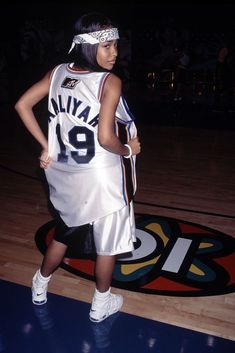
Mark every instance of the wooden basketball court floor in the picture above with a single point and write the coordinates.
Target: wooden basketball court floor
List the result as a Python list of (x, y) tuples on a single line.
[(183, 173)]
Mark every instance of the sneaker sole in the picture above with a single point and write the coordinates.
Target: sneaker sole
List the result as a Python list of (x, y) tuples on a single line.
[(106, 316), (39, 302), (103, 318)]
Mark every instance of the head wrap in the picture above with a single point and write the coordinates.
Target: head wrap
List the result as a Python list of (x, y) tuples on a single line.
[(105, 35)]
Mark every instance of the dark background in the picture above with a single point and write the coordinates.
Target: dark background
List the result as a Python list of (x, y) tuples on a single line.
[(197, 14), (208, 24)]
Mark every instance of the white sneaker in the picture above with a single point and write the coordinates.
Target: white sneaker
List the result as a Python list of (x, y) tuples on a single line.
[(104, 305), (39, 288)]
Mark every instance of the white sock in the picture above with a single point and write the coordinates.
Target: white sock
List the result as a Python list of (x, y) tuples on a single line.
[(102, 295), (42, 278)]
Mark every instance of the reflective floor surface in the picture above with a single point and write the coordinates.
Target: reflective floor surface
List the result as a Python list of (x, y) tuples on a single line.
[(62, 326)]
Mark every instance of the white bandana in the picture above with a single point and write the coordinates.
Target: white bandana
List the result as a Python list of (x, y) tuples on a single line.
[(95, 37)]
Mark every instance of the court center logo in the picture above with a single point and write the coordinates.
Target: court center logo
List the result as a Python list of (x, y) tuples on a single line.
[(171, 257)]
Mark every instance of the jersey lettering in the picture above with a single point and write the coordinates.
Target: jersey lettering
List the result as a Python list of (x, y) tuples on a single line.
[(71, 106), (62, 156), (81, 138)]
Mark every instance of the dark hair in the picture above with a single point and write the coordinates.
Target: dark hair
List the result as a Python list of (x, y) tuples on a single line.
[(84, 55)]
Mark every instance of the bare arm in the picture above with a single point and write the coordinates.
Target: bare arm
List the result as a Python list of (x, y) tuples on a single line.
[(106, 134), (24, 107)]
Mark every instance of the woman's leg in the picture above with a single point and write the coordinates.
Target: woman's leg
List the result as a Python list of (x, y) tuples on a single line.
[(53, 257), (104, 303), (103, 272)]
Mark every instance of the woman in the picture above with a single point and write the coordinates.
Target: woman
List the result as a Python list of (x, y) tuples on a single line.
[(89, 157)]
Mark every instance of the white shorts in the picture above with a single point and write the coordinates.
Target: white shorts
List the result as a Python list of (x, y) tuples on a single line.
[(115, 233)]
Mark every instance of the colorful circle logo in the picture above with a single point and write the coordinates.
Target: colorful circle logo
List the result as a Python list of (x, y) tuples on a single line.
[(171, 257)]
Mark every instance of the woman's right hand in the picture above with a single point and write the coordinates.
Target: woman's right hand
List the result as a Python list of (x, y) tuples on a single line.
[(44, 159), (135, 145)]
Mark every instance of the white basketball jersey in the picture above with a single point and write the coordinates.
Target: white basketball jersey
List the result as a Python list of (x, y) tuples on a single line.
[(86, 181)]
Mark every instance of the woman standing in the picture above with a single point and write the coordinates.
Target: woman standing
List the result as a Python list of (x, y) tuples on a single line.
[(89, 156)]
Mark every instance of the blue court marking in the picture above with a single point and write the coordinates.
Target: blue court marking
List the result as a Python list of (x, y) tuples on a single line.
[(62, 326)]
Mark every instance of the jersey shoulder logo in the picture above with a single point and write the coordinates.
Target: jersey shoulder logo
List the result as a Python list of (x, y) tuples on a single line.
[(70, 83)]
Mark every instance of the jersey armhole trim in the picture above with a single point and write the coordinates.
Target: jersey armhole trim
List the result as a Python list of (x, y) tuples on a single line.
[(101, 85)]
